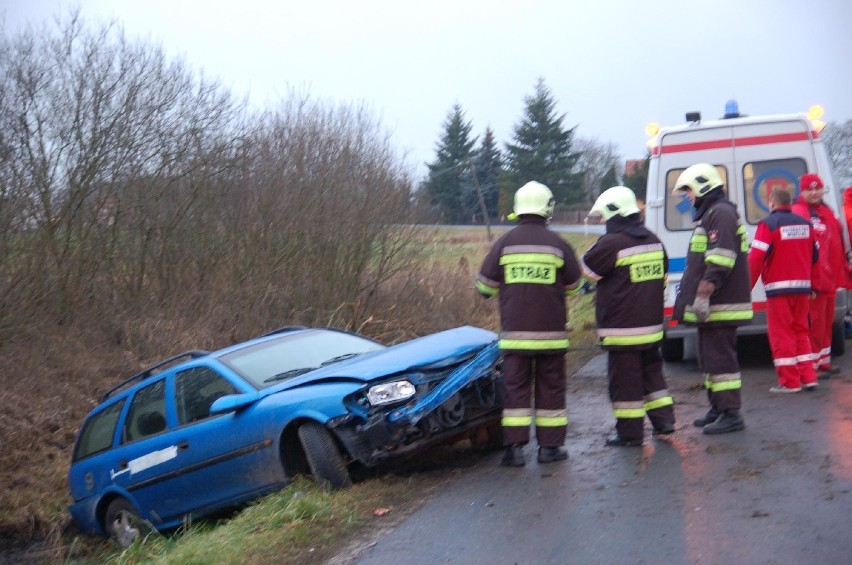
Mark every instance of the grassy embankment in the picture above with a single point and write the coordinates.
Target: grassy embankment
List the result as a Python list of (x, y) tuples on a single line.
[(303, 524)]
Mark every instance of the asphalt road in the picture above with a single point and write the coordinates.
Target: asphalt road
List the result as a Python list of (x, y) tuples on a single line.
[(778, 492)]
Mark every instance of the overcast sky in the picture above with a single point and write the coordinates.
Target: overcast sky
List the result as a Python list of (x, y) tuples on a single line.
[(612, 65)]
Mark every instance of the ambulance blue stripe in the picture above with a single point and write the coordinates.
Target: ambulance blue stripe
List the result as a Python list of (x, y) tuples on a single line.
[(677, 264)]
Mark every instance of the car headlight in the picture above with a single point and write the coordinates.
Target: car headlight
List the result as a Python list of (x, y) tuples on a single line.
[(386, 393)]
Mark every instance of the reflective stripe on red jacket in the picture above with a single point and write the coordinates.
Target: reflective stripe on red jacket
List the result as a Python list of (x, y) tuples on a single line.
[(783, 253), (832, 267)]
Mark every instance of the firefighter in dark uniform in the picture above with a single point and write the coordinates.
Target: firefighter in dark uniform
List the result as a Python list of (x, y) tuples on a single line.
[(629, 265), (532, 269), (715, 293)]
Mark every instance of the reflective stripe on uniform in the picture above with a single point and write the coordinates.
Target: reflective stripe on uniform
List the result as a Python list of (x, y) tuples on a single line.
[(625, 410), (723, 313), (723, 381), (551, 418), (792, 284), (658, 399), (631, 336), (722, 257), (485, 287), (530, 268), (698, 242), (588, 273), (534, 344), (540, 258), (761, 245), (516, 417), (533, 341)]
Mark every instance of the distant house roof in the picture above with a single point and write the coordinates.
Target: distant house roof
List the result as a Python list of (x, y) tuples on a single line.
[(632, 165)]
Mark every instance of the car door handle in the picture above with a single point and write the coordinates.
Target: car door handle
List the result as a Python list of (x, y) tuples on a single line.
[(183, 445), (122, 464)]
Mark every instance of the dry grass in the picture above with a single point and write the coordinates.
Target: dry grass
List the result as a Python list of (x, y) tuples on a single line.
[(54, 375)]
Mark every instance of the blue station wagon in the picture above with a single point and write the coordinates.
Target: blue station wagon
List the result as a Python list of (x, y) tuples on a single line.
[(202, 431)]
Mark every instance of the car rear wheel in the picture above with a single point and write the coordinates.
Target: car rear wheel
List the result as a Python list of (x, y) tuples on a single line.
[(323, 456), (123, 524)]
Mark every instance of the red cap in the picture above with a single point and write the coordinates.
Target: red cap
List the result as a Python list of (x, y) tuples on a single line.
[(810, 181)]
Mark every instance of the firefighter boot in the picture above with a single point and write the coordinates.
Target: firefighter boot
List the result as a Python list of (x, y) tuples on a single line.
[(513, 456), (730, 421), (551, 454), (711, 416), (618, 440)]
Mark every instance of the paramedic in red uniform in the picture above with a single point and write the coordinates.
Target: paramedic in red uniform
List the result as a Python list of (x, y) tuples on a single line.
[(783, 254), (532, 269), (629, 265), (832, 267), (715, 293)]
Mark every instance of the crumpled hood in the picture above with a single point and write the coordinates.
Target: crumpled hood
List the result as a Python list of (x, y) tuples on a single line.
[(429, 352)]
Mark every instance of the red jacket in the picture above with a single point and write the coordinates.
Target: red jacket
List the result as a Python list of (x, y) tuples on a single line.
[(833, 269), (783, 253)]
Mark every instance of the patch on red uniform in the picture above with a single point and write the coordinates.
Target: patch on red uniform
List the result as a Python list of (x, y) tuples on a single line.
[(713, 236)]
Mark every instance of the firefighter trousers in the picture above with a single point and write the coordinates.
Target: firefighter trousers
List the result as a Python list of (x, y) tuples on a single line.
[(789, 340), (543, 375), (717, 350), (637, 388)]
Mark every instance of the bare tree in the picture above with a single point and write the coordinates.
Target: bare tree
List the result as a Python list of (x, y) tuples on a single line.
[(596, 159), (838, 140)]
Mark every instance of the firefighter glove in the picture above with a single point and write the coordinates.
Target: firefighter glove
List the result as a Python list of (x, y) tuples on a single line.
[(701, 307)]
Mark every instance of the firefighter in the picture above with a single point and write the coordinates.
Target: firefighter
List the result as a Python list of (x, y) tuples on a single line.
[(783, 254), (832, 269), (715, 293), (630, 265), (532, 269)]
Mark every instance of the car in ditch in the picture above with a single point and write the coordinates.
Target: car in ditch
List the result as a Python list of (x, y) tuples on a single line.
[(202, 431)]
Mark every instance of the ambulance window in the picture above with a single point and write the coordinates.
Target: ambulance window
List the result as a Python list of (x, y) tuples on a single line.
[(678, 207), (760, 178)]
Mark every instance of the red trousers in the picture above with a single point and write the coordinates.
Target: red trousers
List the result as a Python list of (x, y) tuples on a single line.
[(789, 339), (822, 318)]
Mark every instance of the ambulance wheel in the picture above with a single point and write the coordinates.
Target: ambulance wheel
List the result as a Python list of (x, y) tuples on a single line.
[(673, 350), (838, 339)]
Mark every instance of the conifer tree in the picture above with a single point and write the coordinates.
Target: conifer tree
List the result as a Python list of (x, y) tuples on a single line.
[(488, 166), (449, 178), (637, 178), (542, 149)]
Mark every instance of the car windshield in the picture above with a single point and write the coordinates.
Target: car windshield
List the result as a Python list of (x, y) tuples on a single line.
[(289, 356)]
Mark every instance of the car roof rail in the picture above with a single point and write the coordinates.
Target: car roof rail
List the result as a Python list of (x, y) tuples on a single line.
[(191, 354), (284, 330)]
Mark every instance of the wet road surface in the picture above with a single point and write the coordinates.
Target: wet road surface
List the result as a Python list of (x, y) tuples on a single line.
[(778, 492)]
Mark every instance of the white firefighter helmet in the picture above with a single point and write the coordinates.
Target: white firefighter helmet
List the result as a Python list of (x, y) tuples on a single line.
[(533, 198), (615, 201), (700, 179)]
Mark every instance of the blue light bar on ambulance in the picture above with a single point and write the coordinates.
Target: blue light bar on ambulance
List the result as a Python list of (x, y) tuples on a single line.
[(732, 109)]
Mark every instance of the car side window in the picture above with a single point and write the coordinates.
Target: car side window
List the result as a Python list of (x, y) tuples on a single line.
[(760, 178), (195, 391), (678, 207), (147, 414), (98, 432)]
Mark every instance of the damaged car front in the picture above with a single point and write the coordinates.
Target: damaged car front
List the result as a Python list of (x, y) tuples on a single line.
[(426, 404)]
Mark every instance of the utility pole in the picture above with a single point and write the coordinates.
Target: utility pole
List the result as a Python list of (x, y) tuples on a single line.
[(481, 200)]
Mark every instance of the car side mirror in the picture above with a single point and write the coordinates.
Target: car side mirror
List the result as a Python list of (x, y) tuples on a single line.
[(232, 403)]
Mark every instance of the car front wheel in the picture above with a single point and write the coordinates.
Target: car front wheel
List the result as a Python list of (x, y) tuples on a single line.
[(122, 523), (323, 456)]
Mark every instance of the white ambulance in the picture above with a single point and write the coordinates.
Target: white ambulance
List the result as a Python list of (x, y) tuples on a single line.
[(754, 155)]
